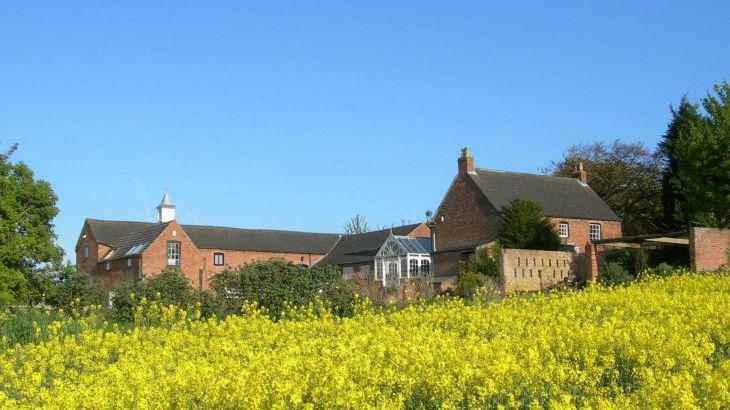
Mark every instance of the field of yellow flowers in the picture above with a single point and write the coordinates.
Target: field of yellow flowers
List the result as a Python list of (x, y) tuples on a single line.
[(660, 343)]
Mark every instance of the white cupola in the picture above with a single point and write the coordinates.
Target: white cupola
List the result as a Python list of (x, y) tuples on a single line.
[(165, 210)]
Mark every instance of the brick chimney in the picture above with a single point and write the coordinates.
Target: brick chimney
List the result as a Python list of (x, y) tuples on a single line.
[(466, 162), (581, 174)]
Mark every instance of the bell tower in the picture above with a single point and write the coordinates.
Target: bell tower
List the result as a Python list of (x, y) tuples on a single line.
[(165, 210)]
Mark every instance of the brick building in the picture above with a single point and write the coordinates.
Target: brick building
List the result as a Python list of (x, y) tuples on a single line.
[(387, 255), (117, 251), (469, 216)]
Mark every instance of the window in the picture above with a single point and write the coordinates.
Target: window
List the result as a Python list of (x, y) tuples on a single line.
[(379, 270), (393, 269), (129, 262), (364, 271), (173, 253), (595, 231), (86, 251), (218, 259), (563, 230), (425, 267), (108, 265), (347, 272), (413, 268)]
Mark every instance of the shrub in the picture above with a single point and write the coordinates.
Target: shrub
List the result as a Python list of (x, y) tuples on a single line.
[(663, 270), (612, 273), (274, 283), (468, 284), (524, 227), (623, 257), (71, 284)]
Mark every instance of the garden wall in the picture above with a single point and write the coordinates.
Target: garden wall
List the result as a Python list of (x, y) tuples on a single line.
[(709, 248), (524, 269)]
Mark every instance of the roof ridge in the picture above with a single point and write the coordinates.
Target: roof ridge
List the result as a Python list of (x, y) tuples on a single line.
[(523, 173), (258, 229)]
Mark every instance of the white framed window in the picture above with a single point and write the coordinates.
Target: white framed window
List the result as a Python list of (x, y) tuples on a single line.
[(425, 267), (173, 253), (595, 231), (413, 268), (379, 270), (108, 265), (86, 251), (364, 271), (563, 229), (347, 272), (129, 262), (218, 259)]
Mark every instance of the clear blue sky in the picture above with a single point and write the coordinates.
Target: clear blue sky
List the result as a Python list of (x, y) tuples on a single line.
[(297, 115)]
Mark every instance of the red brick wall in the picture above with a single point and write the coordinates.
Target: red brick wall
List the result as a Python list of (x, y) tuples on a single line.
[(449, 263), (464, 218), (234, 259), (579, 231), (96, 250), (117, 273), (709, 248), (154, 258), (524, 270)]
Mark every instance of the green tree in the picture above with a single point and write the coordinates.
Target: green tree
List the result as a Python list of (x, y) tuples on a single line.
[(524, 227), (628, 176), (697, 153), (27, 240)]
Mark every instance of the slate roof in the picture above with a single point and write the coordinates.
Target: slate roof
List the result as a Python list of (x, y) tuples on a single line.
[(361, 247), (135, 242), (107, 232), (120, 233), (559, 197), (215, 237)]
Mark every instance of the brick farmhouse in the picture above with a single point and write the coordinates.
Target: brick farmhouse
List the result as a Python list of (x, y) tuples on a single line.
[(117, 251), (469, 216)]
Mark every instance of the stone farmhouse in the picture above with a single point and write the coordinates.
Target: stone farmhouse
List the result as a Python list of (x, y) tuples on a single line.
[(469, 216), (117, 251)]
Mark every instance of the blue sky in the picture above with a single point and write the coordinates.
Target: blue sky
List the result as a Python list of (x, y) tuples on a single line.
[(297, 115)]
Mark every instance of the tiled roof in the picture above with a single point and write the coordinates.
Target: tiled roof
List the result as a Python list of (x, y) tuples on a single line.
[(135, 242), (215, 237), (559, 197), (362, 247), (118, 233)]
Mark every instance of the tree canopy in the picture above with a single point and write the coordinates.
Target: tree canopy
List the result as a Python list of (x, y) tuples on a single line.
[(356, 224), (696, 153), (628, 176), (524, 227), (27, 239)]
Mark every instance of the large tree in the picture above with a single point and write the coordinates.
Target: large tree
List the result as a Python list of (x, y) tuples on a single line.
[(628, 176), (27, 240), (524, 227), (696, 151)]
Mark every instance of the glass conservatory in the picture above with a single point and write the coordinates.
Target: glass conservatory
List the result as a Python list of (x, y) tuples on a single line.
[(402, 258)]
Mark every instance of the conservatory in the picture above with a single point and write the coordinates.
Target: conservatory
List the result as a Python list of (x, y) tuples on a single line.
[(402, 258)]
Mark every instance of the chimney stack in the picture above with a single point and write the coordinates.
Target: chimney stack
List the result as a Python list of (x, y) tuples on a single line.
[(466, 162), (581, 174)]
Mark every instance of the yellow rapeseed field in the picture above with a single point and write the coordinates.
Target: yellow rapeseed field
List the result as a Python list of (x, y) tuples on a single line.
[(660, 343)]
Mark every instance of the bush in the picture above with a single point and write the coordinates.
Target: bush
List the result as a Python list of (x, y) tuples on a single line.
[(274, 283), (613, 273), (71, 284), (663, 270), (625, 258), (168, 288), (468, 284)]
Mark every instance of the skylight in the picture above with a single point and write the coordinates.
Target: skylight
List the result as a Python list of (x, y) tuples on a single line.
[(136, 249)]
